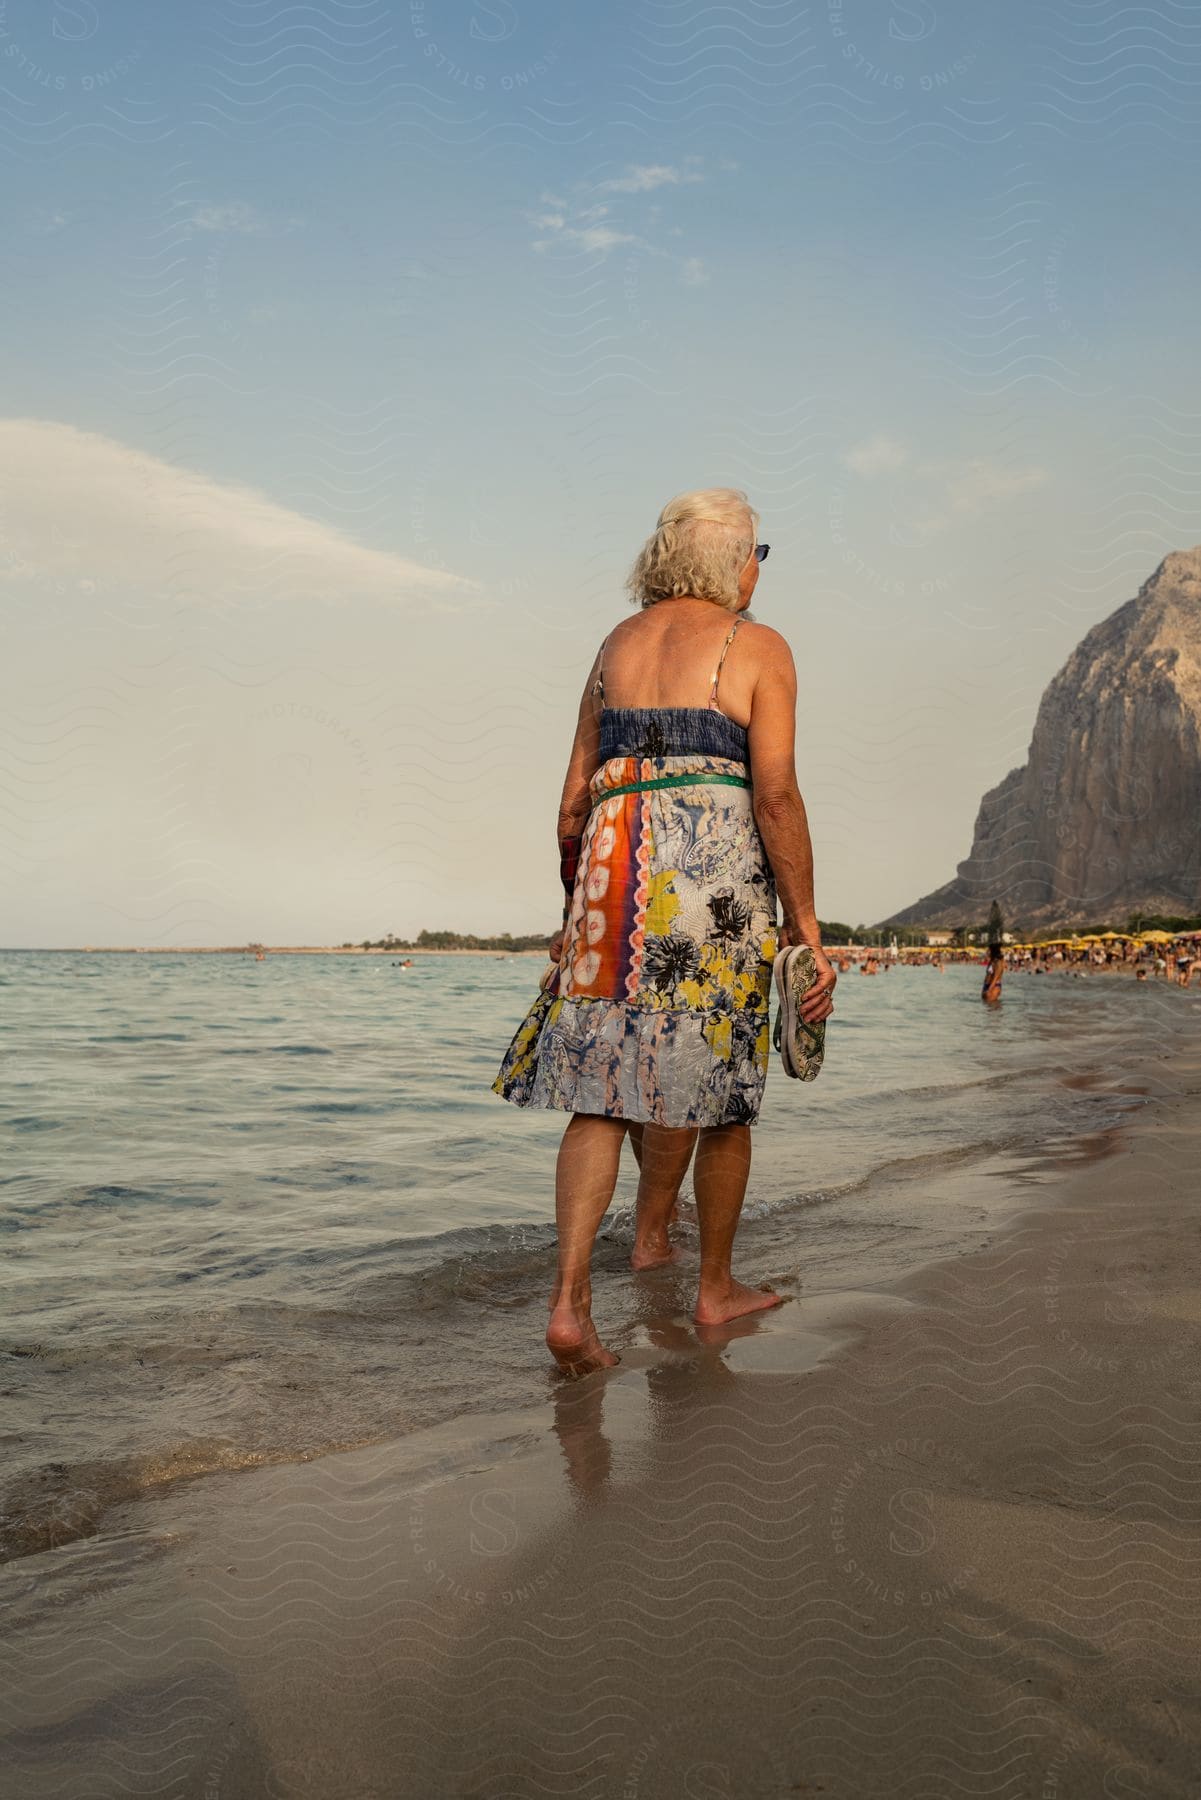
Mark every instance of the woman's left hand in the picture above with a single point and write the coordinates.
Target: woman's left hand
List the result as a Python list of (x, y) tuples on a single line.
[(818, 1003), (555, 947)]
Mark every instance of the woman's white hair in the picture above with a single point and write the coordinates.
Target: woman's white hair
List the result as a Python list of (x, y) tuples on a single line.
[(699, 547)]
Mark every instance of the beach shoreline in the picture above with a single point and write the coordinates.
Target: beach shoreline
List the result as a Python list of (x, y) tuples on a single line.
[(940, 1536), (398, 951)]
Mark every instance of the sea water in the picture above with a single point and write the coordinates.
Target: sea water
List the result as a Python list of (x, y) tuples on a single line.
[(254, 1211)]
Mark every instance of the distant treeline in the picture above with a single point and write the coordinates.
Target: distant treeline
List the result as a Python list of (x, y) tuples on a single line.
[(454, 940), (833, 931)]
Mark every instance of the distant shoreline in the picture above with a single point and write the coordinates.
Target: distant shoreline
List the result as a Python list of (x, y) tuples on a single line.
[(241, 950)]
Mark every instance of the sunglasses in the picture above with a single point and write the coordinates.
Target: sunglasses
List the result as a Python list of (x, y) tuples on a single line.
[(761, 551)]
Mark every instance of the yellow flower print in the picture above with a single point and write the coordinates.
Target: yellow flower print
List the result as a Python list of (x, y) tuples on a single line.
[(662, 903), (716, 964), (524, 1050)]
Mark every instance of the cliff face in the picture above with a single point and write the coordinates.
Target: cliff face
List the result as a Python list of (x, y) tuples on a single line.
[(1105, 817)]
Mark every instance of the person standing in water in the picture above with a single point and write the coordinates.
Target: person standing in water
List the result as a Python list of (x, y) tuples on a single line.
[(994, 970), (685, 827), (995, 967)]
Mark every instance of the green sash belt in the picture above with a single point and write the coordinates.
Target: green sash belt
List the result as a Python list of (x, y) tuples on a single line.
[(634, 787)]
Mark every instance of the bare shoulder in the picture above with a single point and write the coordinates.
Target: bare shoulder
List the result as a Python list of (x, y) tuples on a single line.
[(769, 650), (755, 632), (617, 633)]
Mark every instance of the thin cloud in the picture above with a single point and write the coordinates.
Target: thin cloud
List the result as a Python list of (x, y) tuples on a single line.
[(982, 483), (581, 222), (643, 178), (86, 513), (594, 238), (952, 490), (583, 228), (971, 489), (913, 533), (874, 455), (603, 237), (235, 215)]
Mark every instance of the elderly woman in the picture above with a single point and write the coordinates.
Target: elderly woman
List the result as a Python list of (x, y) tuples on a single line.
[(681, 826)]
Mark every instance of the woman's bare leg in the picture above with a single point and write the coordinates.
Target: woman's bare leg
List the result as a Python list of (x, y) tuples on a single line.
[(585, 1177), (723, 1162), (663, 1153)]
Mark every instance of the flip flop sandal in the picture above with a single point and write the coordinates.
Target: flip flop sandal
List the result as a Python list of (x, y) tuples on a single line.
[(802, 1045)]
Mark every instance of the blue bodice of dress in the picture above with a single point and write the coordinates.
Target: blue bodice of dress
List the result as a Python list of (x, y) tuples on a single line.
[(671, 731)]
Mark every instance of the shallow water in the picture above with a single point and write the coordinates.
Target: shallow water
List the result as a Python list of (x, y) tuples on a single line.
[(254, 1211)]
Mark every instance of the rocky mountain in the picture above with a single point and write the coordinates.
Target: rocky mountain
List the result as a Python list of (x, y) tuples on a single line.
[(1105, 817)]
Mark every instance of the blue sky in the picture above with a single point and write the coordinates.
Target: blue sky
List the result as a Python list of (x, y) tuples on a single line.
[(352, 350)]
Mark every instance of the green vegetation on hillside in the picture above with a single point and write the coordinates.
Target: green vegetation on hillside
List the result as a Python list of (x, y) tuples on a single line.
[(1158, 922)]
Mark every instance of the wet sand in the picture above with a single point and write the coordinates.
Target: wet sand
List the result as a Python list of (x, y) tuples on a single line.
[(940, 1539)]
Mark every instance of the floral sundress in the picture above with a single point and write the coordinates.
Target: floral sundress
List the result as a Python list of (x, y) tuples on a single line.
[(659, 1009)]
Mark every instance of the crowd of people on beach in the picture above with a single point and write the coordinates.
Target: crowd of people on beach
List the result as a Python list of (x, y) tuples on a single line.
[(1148, 955)]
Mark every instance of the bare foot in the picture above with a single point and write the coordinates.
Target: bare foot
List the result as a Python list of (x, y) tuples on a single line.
[(718, 1305), (572, 1341), (652, 1249)]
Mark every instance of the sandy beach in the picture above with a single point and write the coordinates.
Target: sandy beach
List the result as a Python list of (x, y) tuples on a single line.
[(935, 1538)]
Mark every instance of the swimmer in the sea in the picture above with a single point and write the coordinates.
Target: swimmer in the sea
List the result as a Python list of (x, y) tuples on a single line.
[(991, 991)]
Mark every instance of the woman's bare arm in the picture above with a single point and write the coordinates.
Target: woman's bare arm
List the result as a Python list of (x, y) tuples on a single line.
[(776, 796), (575, 801), (780, 811), (582, 763)]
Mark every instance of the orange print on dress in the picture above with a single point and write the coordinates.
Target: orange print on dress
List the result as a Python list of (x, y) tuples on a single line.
[(603, 953)]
